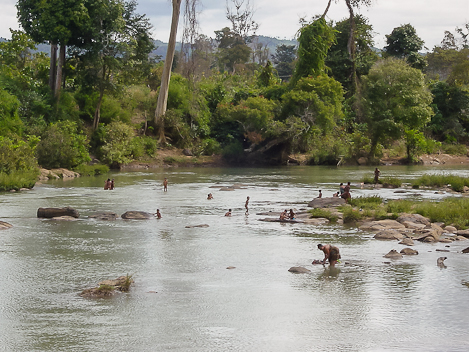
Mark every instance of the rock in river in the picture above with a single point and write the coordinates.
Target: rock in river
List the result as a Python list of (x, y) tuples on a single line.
[(57, 212), (136, 215)]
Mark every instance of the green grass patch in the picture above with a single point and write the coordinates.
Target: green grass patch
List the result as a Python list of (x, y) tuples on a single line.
[(372, 202), (174, 160), (323, 213), (399, 206), (92, 170), (351, 215), (451, 211), (456, 183), (18, 179), (391, 182)]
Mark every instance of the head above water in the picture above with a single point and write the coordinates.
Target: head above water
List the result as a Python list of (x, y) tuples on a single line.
[(320, 246)]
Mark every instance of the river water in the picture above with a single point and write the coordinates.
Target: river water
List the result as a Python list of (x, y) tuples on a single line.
[(185, 298)]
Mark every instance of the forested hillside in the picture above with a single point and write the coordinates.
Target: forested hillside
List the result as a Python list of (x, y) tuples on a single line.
[(249, 98)]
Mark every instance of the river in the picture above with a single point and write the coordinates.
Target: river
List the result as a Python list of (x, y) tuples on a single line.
[(184, 297)]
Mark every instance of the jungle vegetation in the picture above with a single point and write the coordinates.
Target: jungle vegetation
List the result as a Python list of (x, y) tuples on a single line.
[(95, 94)]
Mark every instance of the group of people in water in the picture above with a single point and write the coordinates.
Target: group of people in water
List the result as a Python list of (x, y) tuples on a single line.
[(331, 253)]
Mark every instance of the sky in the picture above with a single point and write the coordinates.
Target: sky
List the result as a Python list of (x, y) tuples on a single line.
[(280, 18)]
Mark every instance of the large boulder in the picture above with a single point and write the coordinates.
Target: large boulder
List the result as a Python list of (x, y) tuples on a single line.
[(431, 233), (464, 233), (382, 225), (136, 215), (326, 202), (57, 212), (388, 235), (413, 218)]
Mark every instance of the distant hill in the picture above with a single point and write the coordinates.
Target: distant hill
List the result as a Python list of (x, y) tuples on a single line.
[(162, 47)]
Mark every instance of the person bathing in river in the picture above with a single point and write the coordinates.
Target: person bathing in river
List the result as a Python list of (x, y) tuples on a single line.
[(284, 215), (320, 194), (246, 205), (210, 196), (158, 214), (331, 253), (107, 184), (112, 185), (165, 185), (341, 188), (228, 213), (336, 195), (291, 215)]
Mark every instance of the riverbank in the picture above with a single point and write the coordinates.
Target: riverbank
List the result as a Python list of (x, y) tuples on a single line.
[(174, 157)]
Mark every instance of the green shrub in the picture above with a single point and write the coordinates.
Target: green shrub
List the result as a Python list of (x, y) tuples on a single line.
[(233, 151), (117, 144), (17, 155), (92, 170), (352, 215), (18, 179), (454, 149), (62, 145)]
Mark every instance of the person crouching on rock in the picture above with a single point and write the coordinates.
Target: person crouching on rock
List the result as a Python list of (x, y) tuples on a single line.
[(291, 215), (331, 253)]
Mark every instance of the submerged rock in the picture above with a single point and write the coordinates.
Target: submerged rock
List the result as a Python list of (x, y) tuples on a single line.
[(299, 270), (393, 254), (4, 225), (409, 251), (109, 288), (201, 225), (136, 215), (106, 215)]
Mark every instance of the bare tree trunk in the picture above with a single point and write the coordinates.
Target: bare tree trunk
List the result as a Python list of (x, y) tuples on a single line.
[(168, 63), (53, 67), (60, 65), (351, 46), (327, 8), (97, 112)]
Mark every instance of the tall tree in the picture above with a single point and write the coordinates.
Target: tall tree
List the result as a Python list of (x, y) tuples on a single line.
[(117, 43), (283, 59), (163, 94), (404, 43), (396, 100), (342, 68), (56, 22)]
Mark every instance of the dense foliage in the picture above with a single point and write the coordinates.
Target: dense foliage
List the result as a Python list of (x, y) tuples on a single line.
[(225, 96)]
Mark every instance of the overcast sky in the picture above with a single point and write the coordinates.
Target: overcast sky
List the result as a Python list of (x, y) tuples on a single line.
[(279, 18)]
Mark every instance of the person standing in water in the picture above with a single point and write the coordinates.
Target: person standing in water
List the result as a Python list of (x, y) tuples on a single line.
[(107, 184), (331, 253), (246, 205), (112, 185), (377, 173), (228, 213), (165, 185), (158, 214)]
